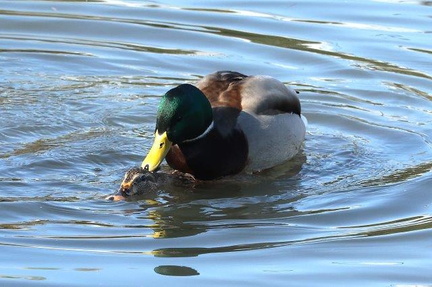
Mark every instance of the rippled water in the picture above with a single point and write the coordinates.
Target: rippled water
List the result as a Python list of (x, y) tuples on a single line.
[(80, 82)]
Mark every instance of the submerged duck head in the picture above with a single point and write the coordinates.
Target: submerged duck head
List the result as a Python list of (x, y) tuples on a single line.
[(183, 115), (135, 182)]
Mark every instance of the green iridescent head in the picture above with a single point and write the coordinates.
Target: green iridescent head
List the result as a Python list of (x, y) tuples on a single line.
[(184, 113)]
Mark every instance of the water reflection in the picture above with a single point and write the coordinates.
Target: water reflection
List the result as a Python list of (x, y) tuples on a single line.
[(299, 233), (24, 277)]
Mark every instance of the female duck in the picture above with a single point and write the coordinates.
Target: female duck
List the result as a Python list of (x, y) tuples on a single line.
[(226, 124)]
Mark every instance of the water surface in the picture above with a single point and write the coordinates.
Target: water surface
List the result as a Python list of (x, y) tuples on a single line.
[(80, 83)]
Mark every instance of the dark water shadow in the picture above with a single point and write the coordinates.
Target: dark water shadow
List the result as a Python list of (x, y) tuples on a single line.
[(174, 270)]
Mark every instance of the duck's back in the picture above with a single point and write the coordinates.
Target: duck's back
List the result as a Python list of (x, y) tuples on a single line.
[(272, 122), (268, 113)]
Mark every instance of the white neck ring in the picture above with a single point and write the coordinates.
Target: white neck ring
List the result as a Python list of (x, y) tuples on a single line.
[(209, 128)]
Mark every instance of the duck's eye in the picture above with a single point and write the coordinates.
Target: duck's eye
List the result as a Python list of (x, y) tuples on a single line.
[(161, 145), (127, 192)]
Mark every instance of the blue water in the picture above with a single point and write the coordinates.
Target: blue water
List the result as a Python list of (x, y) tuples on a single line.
[(79, 85)]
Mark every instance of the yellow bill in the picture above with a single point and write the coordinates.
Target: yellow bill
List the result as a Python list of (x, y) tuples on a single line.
[(157, 153)]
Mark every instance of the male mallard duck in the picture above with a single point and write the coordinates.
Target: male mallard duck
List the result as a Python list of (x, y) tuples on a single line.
[(226, 124)]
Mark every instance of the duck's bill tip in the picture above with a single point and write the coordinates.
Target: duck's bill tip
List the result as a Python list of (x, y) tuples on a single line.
[(115, 197), (157, 153)]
